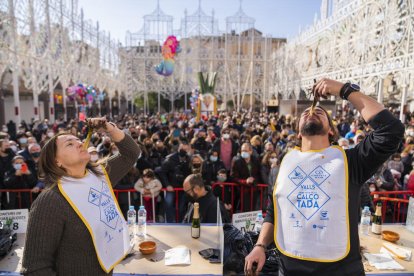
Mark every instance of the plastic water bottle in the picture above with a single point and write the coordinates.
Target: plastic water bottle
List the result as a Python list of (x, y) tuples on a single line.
[(258, 223), (142, 222), (132, 221), (365, 220)]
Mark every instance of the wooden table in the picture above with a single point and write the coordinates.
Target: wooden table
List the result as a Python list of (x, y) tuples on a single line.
[(166, 236), (373, 244)]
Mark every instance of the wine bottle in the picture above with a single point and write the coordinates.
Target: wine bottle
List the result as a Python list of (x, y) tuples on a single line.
[(377, 220), (195, 226)]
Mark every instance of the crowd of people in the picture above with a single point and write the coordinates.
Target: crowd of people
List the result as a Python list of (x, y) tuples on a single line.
[(242, 148)]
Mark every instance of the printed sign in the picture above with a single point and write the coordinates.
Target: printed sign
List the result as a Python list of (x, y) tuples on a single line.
[(410, 215), (308, 196), (16, 219), (245, 221)]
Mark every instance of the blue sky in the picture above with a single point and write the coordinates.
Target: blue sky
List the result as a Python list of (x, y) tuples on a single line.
[(279, 18)]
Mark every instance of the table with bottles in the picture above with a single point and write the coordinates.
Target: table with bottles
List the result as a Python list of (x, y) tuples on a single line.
[(372, 243), (166, 236), (172, 235)]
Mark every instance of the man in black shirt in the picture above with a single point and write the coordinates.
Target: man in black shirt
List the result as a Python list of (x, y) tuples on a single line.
[(306, 251), (196, 191)]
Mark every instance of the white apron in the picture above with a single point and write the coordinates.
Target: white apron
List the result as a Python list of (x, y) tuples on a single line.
[(311, 205), (94, 201)]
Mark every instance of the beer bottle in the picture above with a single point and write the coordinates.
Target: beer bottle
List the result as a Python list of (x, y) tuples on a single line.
[(195, 226), (377, 220)]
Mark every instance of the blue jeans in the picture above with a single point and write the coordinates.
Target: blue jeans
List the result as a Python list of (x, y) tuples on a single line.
[(170, 208)]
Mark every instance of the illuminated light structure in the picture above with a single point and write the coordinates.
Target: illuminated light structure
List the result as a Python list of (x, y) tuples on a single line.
[(369, 42)]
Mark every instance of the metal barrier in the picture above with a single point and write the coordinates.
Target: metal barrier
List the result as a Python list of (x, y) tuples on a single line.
[(18, 193), (396, 201), (244, 188), (116, 192)]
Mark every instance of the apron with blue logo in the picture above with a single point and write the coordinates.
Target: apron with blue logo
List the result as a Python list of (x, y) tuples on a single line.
[(311, 205)]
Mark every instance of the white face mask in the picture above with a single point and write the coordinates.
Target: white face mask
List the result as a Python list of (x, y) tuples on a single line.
[(226, 136), (13, 148), (50, 134), (115, 152), (94, 157), (372, 190)]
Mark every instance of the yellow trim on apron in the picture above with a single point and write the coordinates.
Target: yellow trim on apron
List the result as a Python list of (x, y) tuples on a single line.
[(86, 222)]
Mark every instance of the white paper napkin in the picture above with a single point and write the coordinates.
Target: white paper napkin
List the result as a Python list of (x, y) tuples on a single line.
[(400, 252), (383, 261), (179, 255)]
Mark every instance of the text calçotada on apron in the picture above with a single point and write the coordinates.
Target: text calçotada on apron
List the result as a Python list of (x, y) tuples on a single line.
[(311, 205), (93, 200)]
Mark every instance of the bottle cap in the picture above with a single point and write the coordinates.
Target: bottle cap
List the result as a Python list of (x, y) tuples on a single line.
[(131, 207), (366, 208), (141, 207), (260, 215)]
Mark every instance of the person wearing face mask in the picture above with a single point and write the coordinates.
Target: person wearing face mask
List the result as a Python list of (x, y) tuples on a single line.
[(32, 163), (22, 141), (410, 131), (197, 164), (104, 148), (26, 151), (211, 167), (113, 150), (226, 148), (158, 154), (174, 170), (219, 190), (144, 160), (268, 147), (200, 144), (269, 170), (19, 177), (196, 191), (93, 152), (6, 157), (245, 171)]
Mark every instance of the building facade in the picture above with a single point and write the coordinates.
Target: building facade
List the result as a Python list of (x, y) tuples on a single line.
[(240, 55)]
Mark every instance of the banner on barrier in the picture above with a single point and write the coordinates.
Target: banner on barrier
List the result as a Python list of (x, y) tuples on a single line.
[(410, 215), (245, 221), (15, 219)]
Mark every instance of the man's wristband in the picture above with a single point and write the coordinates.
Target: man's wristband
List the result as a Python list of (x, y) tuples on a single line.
[(343, 90), (261, 245)]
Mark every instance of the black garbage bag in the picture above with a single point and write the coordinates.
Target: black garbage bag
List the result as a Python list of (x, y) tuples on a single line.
[(6, 241), (235, 250), (238, 245)]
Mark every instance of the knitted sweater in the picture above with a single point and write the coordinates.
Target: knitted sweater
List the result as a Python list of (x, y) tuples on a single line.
[(57, 241)]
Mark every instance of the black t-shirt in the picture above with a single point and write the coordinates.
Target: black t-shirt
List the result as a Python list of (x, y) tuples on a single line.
[(363, 162)]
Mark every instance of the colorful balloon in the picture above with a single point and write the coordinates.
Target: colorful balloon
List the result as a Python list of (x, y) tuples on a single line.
[(169, 49)]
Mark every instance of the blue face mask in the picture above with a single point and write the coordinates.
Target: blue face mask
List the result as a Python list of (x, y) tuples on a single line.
[(17, 166), (213, 158), (245, 155)]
